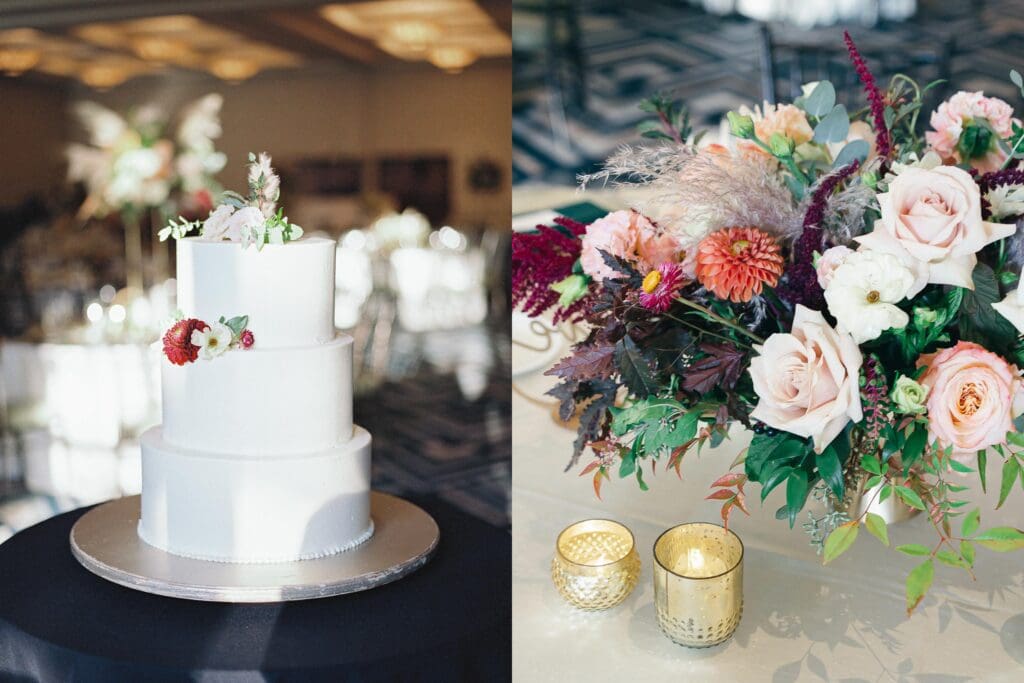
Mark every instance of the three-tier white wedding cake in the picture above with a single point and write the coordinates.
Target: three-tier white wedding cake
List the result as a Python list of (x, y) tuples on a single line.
[(257, 459)]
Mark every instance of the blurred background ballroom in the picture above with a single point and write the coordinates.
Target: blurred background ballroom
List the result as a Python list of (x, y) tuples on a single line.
[(582, 66), (388, 123)]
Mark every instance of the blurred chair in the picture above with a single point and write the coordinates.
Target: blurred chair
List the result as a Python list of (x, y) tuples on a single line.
[(789, 62), (547, 33)]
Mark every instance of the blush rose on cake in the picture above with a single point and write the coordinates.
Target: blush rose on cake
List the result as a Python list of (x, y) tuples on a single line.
[(843, 286)]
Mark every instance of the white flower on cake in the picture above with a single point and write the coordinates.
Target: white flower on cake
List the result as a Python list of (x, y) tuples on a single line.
[(251, 220), (213, 341), (863, 290), (1012, 308), (217, 223)]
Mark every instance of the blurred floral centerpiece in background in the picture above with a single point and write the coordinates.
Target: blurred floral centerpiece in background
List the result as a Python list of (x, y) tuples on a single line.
[(134, 164), (843, 286)]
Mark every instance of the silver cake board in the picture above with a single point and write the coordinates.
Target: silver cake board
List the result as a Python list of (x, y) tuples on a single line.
[(105, 541)]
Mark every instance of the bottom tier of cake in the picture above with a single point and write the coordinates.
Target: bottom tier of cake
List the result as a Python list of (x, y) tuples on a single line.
[(251, 509)]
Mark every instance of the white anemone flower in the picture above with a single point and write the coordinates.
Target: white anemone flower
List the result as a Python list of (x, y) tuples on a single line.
[(213, 341), (863, 291)]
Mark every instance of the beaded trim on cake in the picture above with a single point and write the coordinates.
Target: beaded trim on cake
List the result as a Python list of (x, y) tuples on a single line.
[(359, 540)]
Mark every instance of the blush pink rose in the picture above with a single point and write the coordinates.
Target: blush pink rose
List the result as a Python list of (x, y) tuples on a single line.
[(808, 381), (829, 261), (931, 219), (630, 236), (959, 111), (971, 392)]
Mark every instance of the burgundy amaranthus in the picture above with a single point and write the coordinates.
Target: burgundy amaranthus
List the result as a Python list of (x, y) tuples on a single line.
[(882, 142), (541, 259), (802, 286)]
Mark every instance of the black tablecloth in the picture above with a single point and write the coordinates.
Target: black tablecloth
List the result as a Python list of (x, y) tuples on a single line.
[(449, 621)]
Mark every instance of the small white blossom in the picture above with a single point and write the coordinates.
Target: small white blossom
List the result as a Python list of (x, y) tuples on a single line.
[(213, 341), (1006, 200), (863, 291)]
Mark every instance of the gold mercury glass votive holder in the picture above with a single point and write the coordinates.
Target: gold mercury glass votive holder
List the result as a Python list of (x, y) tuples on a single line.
[(596, 564), (698, 583)]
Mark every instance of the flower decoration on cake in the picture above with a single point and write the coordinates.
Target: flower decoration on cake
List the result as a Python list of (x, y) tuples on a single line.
[(843, 284), (255, 219), (189, 339)]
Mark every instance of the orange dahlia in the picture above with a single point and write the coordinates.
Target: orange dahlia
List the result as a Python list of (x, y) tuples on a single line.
[(735, 263)]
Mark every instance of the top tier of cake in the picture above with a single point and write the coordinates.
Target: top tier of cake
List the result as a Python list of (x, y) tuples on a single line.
[(286, 290)]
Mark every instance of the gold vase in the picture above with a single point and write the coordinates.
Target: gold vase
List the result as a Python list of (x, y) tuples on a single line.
[(596, 564), (698, 583)]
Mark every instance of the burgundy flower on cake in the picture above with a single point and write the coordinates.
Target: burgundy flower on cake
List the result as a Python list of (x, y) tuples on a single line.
[(246, 339), (178, 346)]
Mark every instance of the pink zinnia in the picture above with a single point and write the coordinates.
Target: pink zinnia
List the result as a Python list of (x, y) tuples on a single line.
[(661, 286)]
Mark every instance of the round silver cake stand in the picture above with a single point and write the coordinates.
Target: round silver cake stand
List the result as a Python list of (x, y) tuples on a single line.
[(105, 540)]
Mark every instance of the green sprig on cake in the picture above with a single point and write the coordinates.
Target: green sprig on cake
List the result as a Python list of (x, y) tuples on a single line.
[(251, 220)]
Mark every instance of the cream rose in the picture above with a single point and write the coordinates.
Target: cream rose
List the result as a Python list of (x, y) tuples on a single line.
[(931, 219), (971, 392), (1012, 308), (808, 380)]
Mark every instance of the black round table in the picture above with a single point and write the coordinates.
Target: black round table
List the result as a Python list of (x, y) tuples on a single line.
[(449, 621)]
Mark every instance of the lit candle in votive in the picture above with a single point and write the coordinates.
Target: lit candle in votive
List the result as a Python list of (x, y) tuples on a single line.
[(695, 563)]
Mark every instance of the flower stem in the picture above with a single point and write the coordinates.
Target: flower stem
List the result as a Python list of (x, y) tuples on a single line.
[(719, 319)]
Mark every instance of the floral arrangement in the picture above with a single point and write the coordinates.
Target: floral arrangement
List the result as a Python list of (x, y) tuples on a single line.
[(132, 164), (838, 283), (253, 219), (189, 339)]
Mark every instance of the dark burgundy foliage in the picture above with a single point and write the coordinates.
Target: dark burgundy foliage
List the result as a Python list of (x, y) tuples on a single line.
[(541, 259), (883, 143), (802, 284), (586, 362), (721, 366)]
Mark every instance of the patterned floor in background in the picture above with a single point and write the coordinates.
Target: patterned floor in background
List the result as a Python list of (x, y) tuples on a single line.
[(635, 49)]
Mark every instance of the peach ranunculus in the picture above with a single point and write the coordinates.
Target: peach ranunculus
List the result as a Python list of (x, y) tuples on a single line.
[(959, 112), (971, 393), (931, 219), (787, 119), (630, 236), (808, 381)]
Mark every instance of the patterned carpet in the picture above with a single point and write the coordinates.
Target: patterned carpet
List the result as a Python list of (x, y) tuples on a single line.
[(631, 50)]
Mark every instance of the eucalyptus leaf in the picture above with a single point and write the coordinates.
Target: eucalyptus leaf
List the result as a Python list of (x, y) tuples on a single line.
[(834, 127), (855, 150), (821, 100)]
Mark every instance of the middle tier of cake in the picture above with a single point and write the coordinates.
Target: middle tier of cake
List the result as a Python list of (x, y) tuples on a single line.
[(261, 401)]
